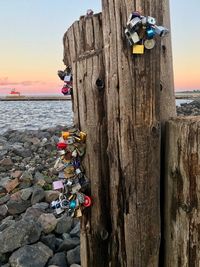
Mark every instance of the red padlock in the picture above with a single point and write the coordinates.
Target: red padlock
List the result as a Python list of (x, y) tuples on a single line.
[(66, 90), (61, 146), (87, 201)]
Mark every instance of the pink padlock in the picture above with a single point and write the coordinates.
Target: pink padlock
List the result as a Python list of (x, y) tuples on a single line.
[(57, 185)]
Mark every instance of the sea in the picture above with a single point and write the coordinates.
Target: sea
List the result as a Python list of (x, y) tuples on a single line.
[(35, 115)]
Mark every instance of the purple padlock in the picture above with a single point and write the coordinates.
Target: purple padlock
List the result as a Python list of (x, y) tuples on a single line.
[(57, 185)]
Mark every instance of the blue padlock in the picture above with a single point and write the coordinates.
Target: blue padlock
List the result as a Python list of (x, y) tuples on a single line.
[(150, 33), (72, 204)]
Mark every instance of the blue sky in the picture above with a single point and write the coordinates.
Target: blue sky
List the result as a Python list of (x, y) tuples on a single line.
[(31, 48)]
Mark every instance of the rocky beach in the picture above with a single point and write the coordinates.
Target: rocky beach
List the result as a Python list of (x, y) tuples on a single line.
[(31, 234)]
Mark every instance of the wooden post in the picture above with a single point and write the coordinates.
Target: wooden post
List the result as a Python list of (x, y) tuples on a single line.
[(133, 110), (83, 46), (122, 121), (182, 225)]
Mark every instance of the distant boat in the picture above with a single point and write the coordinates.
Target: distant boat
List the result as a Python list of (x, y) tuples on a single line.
[(13, 92)]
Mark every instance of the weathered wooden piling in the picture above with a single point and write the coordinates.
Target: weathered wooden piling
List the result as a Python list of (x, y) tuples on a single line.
[(182, 210), (116, 98)]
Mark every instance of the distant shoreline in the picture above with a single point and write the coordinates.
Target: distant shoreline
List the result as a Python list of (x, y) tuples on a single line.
[(35, 98)]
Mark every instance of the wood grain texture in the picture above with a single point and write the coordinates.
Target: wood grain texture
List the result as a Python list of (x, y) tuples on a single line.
[(84, 52), (182, 218), (133, 113)]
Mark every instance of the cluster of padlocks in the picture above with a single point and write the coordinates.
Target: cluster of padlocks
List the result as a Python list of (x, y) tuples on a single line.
[(66, 76), (141, 31), (72, 181)]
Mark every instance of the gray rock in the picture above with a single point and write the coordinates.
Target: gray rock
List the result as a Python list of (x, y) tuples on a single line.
[(3, 211), (42, 206), (58, 259), (6, 265), (17, 207), (50, 241), (26, 180), (38, 176), (4, 199), (35, 255), (18, 235), (51, 195), (75, 232), (38, 195), (73, 255), (69, 244), (6, 223), (75, 265), (64, 225), (32, 214), (22, 152), (26, 193), (6, 162), (48, 222)]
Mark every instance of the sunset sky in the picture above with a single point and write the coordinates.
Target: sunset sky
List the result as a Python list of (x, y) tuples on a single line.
[(31, 48)]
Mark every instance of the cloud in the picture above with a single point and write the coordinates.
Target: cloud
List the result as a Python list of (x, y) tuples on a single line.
[(5, 82)]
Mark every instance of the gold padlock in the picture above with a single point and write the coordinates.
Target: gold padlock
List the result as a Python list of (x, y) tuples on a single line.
[(83, 136), (65, 135), (138, 49)]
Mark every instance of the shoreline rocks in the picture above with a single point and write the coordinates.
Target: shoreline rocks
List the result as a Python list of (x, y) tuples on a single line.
[(189, 109), (30, 231)]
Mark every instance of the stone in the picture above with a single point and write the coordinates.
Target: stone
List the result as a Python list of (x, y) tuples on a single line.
[(51, 195), (73, 256), (37, 195), (26, 179), (6, 223), (16, 174), (26, 193), (11, 184), (3, 211), (35, 255), (75, 265), (32, 214), (69, 244), (48, 222), (58, 259), (75, 232), (42, 206), (49, 240), (19, 234), (22, 152), (6, 162), (64, 224), (16, 196), (38, 176), (4, 199), (17, 207)]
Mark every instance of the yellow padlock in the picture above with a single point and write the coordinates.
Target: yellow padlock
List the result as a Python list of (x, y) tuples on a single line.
[(65, 135), (83, 136), (138, 49)]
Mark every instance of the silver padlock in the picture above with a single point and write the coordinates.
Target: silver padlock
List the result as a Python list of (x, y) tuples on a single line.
[(69, 140), (161, 31), (133, 23), (76, 188), (67, 78), (133, 38), (74, 153)]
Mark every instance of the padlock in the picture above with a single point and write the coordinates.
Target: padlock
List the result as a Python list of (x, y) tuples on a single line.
[(87, 201), (83, 136), (68, 183), (80, 197), (150, 32), (151, 20), (58, 185), (69, 140), (74, 153), (76, 163), (61, 175), (61, 152), (65, 135), (133, 38), (149, 44), (78, 213), (131, 26), (72, 204), (61, 146), (66, 90), (68, 78), (76, 188), (138, 49), (59, 211), (78, 171), (64, 204), (161, 31)]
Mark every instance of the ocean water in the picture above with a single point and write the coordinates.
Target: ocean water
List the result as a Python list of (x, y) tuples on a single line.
[(34, 115)]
